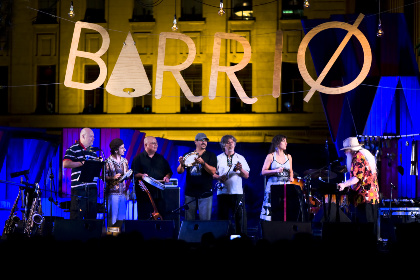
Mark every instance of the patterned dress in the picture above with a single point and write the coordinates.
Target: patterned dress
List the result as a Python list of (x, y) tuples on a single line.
[(282, 178), (112, 168), (367, 188)]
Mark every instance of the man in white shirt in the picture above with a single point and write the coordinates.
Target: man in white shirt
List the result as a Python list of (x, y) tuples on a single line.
[(231, 168)]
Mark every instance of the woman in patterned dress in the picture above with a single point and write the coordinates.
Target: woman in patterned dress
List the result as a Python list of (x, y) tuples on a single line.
[(116, 192)]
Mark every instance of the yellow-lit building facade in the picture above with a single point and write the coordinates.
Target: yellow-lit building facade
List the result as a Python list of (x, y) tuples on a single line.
[(35, 44)]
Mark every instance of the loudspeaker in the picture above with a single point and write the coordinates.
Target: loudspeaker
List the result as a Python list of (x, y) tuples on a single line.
[(192, 231), (83, 230), (350, 232), (320, 217), (172, 202), (163, 229), (273, 231), (294, 203)]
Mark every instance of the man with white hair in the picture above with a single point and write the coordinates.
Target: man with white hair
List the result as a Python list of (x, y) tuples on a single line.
[(363, 181)]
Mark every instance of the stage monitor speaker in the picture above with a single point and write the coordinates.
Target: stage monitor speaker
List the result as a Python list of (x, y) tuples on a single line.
[(66, 230), (192, 231), (164, 229), (172, 202), (332, 217), (295, 210), (277, 230), (351, 232)]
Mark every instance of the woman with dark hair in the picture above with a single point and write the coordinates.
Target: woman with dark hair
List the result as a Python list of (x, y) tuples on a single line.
[(278, 168), (116, 192)]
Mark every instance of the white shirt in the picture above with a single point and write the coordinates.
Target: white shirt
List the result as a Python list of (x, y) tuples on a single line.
[(233, 185)]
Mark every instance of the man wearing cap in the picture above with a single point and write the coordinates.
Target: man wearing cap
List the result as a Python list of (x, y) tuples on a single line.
[(363, 181), (198, 189)]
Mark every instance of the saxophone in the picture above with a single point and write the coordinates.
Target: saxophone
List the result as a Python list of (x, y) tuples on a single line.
[(35, 219), (13, 220)]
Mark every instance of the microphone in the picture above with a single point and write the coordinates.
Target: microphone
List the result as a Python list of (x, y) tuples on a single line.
[(394, 187), (50, 199), (339, 159)]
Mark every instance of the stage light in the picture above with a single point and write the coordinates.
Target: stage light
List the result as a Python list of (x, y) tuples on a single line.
[(221, 12), (174, 26), (71, 12), (380, 32), (306, 4)]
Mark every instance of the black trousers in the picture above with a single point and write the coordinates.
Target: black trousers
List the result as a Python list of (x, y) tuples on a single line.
[(233, 204), (83, 204)]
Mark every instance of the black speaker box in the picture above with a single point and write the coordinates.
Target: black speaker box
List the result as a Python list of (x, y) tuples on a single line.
[(172, 202), (83, 230), (294, 203), (351, 233), (277, 230), (328, 213), (192, 231), (163, 229)]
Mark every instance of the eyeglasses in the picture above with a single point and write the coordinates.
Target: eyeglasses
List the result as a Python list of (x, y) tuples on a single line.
[(153, 143), (202, 140)]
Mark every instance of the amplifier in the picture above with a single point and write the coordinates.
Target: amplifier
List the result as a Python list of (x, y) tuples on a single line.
[(390, 218), (413, 212)]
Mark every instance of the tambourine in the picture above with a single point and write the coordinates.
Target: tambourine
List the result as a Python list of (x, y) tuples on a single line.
[(154, 182), (125, 176), (189, 159)]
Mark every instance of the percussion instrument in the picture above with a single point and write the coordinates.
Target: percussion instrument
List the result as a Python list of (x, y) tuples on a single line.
[(154, 182), (298, 181), (189, 159), (155, 215), (125, 176), (316, 173)]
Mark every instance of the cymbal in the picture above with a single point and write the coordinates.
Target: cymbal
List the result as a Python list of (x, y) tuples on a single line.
[(316, 173), (340, 169)]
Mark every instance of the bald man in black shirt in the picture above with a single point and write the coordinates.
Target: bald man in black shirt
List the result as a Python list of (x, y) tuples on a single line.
[(150, 163)]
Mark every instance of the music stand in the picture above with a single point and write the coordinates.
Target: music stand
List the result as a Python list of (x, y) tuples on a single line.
[(325, 188), (90, 170)]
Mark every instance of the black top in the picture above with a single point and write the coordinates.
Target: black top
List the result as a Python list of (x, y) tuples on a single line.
[(78, 153), (198, 180), (156, 167)]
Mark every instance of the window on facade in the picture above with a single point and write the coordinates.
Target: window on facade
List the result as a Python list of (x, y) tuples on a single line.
[(143, 11), (191, 10), (45, 90), (47, 9), (242, 10), (194, 79), (95, 11), (245, 78), (94, 99), (292, 9), (4, 97), (291, 89), (143, 104)]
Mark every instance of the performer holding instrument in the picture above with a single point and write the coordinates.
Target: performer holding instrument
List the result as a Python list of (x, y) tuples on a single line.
[(83, 194), (200, 166), (152, 168), (116, 171), (231, 168), (363, 180), (278, 168)]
